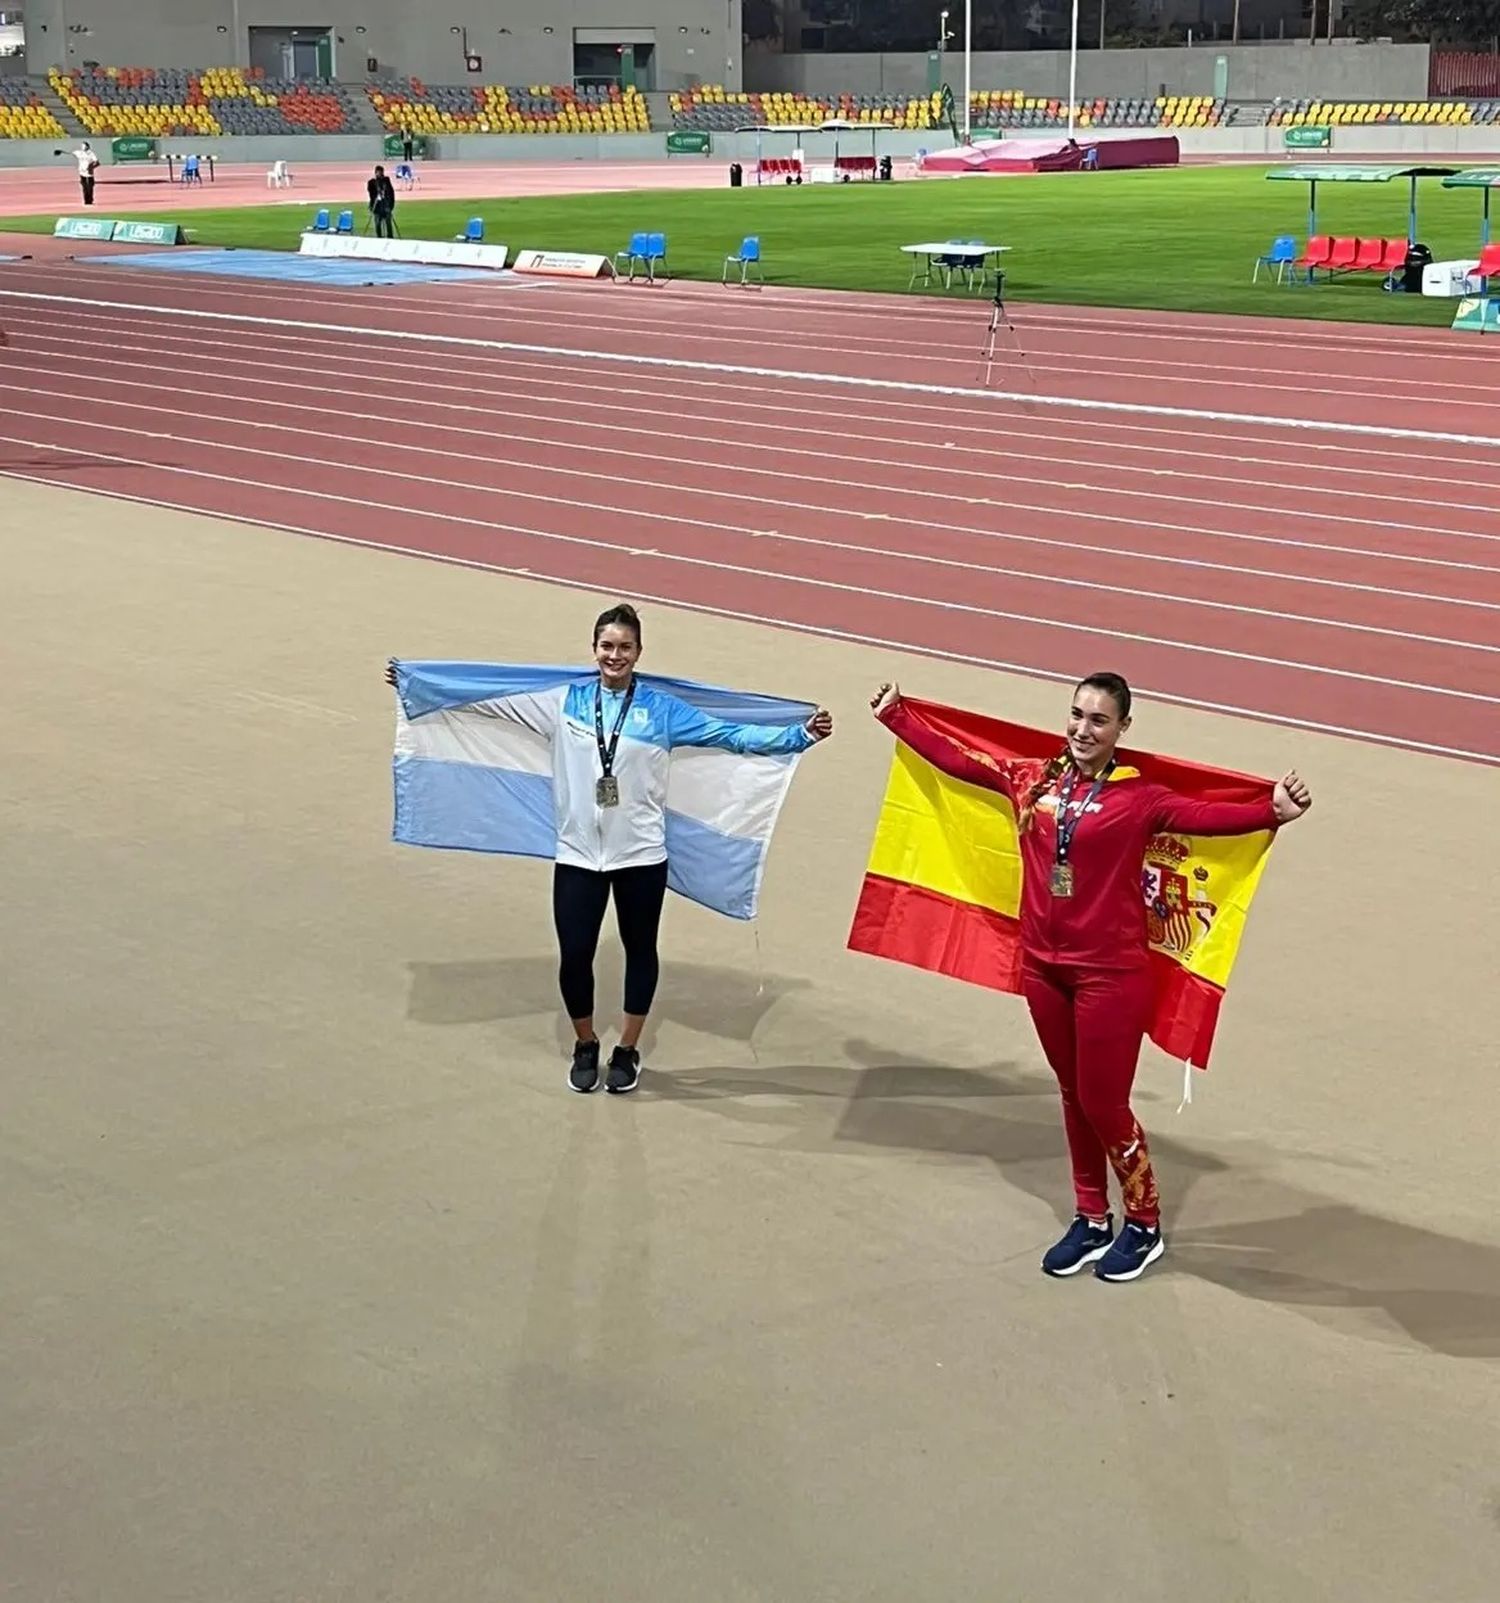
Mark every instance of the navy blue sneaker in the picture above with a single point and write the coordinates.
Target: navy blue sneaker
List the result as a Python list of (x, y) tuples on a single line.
[(624, 1071), (584, 1074), (1084, 1243), (1135, 1250)]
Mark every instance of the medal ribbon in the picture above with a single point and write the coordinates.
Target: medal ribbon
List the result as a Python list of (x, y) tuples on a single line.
[(1066, 829), (607, 753)]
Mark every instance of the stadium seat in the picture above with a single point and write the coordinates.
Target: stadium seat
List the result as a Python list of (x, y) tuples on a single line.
[(346, 223), (320, 223), (1369, 256), (1319, 248), (1341, 256)]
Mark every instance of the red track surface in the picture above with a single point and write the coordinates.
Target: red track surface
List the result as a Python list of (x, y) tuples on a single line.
[(1340, 580)]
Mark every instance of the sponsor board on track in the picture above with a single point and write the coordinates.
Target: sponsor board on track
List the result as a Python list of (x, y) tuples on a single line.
[(84, 228), (563, 264), (138, 233), (427, 252)]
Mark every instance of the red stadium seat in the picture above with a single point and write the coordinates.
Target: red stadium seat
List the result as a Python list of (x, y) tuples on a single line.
[(1368, 257), (1316, 254), (1393, 260), (1489, 262), (1343, 255)]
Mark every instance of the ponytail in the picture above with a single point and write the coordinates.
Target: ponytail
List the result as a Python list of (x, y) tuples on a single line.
[(1054, 771)]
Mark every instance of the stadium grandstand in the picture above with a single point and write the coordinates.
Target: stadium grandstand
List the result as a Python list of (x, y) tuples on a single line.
[(1009, 108), (120, 101), (1357, 113), (501, 109), (23, 115), (715, 108)]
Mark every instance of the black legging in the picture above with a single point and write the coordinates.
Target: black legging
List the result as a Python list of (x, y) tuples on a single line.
[(579, 897)]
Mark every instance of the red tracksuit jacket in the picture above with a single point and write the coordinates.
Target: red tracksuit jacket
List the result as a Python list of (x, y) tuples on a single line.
[(1103, 924)]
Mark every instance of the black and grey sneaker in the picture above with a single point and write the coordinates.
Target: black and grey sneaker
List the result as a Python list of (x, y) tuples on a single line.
[(1084, 1243), (1135, 1250), (624, 1070), (584, 1075)]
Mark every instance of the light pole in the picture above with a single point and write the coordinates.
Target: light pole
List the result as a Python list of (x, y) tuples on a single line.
[(1073, 71), (968, 65)]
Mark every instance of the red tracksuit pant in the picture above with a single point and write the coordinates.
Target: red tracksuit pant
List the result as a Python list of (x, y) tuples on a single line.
[(1091, 1023)]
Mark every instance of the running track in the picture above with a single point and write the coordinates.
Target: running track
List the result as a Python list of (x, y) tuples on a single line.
[(1293, 521)]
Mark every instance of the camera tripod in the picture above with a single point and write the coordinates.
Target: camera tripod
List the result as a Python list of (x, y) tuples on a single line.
[(999, 318)]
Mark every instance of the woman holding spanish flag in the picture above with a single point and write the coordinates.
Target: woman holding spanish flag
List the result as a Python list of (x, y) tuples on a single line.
[(1084, 821)]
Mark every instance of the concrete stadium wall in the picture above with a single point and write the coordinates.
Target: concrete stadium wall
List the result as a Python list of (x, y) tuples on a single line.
[(1293, 70), (519, 41), (1451, 144)]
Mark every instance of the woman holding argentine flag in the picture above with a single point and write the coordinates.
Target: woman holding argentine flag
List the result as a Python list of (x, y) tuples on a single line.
[(632, 785), (1085, 827)]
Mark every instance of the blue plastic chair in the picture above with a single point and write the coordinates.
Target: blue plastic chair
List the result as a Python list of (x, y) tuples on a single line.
[(975, 268), (958, 260), (656, 254), (473, 234), (320, 223), (747, 259), (636, 251), (1282, 254), (346, 223)]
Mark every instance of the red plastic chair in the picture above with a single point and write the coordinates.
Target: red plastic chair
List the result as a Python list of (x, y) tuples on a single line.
[(1316, 254), (1393, 260), (1342, 257), (1489, 262), (1369, 256)]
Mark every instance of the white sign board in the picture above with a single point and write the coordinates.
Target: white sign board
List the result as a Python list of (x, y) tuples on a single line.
[(429, 252), (562, 264)]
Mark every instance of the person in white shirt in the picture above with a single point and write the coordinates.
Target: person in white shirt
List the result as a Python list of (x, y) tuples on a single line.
[(610, 798), (87, 164)]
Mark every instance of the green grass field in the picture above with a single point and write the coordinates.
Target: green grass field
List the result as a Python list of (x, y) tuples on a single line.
[(1183, 238)]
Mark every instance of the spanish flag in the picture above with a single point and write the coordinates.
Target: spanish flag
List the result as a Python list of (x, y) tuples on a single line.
[(942, 889)]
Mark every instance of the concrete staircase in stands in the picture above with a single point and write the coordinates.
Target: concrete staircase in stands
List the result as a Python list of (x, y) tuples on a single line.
[(55, 104)]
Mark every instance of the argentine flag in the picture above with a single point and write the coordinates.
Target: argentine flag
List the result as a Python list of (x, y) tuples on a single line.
[(504, 759)]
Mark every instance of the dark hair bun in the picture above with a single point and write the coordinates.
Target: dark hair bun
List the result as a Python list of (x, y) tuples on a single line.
[(621, 614)]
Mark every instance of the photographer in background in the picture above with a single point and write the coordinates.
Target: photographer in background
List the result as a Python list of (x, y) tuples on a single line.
[(382, 204)]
